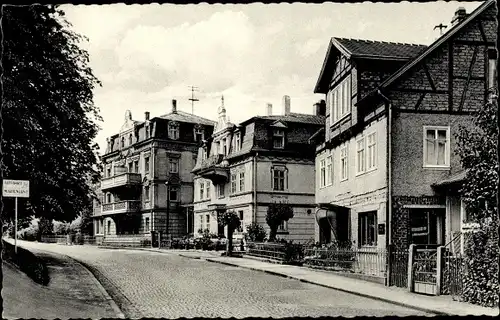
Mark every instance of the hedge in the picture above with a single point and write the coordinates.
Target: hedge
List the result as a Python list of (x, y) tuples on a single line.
[(27, 262)]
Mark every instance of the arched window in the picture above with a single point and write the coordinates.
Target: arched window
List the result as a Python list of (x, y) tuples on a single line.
[(130, 140), (123, 142)]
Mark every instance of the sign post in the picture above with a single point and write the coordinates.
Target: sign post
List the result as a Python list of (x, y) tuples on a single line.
[(16, 189)]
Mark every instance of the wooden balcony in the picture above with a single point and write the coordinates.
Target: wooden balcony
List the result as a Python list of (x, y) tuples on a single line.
[(123, 179), (212, 169), (127, 206)]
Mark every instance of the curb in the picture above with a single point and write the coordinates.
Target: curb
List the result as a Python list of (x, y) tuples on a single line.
[(107, 297), (436, 312)]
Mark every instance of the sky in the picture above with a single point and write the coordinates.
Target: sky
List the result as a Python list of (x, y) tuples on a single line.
[(147, 55)]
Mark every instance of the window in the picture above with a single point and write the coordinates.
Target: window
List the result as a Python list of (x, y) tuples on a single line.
[(173, 194), (136, 166), (492, 68), (207, 221), (279, 178), (198, 134), (224, 147), (130, 167), (283, 227), (329, 171), (174, 165), (146, 193), (436, 146), (202, 190), (322, 173), (371, 161), (240, 215), (220, 190), (109, 171), (344, 169), (130, 140), (237, 142), (367, 222), (123, 142), (340, 100), (360, 155), (218, 148), (146, 224), (233, 183), (173, 130), (146, 164), (242, 181), (109, 227), (208, 190), (146, 129), (201, 222), (278, 138)]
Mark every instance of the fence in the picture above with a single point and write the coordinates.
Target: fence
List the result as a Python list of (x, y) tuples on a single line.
[(367, 261), (130, 240), (454, 267), (274, 251), (69, 239)]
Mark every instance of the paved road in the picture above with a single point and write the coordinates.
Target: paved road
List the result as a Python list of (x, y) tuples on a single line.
[(149, 284)]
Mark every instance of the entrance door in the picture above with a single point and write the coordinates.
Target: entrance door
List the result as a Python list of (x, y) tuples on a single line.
[(325, 231)]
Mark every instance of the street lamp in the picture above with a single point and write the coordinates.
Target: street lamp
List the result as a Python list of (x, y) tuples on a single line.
[(168, 205)]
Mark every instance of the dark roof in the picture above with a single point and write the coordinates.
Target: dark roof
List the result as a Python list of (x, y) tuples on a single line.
[(292, 117), (357, 48), (436, 44), (364, 49), (451, 179), (182, 116)]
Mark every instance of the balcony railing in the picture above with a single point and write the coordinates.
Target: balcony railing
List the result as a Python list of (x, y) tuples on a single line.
[(123, 179), (210, 169), (211, 161), (121, 207)]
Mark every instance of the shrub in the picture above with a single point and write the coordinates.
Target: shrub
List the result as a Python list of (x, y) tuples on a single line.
[(255, 233), (293, 253)]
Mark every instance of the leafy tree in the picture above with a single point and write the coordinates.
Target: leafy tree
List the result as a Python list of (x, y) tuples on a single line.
[(276, 214), (477, 147), (48, 113), (256, 232), (60, 228), (230, 219)]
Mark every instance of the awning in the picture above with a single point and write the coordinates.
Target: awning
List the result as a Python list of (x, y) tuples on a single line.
[(324, 213), (455, 178), (327, 210)]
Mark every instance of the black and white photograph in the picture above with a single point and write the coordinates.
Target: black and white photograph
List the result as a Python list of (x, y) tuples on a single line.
[(249, 160)]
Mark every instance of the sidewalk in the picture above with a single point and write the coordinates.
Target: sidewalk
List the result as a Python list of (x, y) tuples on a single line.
[(442, 305), (73, 292)]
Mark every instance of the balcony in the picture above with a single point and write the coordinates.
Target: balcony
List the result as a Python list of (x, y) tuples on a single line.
[(123, 179), (127, 206), (214, 169)]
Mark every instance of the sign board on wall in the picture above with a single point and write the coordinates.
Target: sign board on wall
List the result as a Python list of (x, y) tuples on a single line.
[(16, 188)]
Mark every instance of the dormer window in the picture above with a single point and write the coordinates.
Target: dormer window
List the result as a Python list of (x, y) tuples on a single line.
[(146, 128), (123, 142), (130, 140), (173, 130), (237, 142), (198, 135), (224, 147), (278, 138)]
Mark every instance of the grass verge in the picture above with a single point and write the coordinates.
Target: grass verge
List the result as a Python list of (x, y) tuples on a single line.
[(33, 266)]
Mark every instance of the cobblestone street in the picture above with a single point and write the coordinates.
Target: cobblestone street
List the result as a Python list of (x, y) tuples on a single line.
[(149, 284)]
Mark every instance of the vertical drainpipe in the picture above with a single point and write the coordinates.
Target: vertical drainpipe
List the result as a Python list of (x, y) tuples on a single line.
[(152, 161), (389, 168), (255, 187)]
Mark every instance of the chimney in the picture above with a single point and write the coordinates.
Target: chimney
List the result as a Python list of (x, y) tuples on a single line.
[(269, 110), (286, 105), (320, 108), (174, 106), (146, 115), (459, 16)]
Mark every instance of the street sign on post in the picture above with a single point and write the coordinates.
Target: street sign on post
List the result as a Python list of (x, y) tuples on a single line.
[(15, 189)]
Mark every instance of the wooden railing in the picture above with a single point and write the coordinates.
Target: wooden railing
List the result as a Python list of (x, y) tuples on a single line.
[(121, 180), (121, 206)]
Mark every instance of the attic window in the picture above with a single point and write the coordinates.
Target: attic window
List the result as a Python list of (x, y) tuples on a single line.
[(123, 142), (198, 134), (278, 138), (173, 130), (130, 140), (146, 128)]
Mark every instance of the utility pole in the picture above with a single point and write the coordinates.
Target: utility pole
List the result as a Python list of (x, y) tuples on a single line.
[(193, 99)]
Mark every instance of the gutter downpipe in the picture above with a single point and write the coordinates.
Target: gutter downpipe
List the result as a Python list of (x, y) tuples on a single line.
[(254, 219), (388, 238)]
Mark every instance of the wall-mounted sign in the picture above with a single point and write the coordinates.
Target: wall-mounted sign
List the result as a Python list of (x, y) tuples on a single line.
[(381, 228)]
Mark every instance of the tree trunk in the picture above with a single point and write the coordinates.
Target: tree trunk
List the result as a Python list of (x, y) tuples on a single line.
[(229, 242), (272, 234)]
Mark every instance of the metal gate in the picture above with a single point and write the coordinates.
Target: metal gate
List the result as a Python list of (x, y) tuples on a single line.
[(398, 267), (424, 275)]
